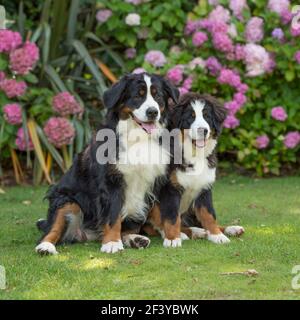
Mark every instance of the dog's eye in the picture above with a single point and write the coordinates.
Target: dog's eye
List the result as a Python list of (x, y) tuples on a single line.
[(194, 114), (205, 113), (141, 92), (153, 91)]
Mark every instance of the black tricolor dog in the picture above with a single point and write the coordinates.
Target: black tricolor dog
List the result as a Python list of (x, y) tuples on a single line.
[(92, 199), (185, 201)]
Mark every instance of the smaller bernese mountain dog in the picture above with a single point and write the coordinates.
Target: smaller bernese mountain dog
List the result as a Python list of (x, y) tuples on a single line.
[(184, 209), (93, 198)]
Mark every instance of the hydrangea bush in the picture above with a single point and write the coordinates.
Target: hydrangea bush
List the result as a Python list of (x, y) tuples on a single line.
[(21, 99), (244, 52)]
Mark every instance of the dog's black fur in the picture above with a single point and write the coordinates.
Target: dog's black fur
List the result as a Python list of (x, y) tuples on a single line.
[(99, 189), (181, 117)]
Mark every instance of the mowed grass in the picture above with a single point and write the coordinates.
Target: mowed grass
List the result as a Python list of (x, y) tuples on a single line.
[(268, 209)]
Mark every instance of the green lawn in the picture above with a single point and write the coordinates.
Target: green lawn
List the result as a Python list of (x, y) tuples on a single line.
[(268, 209)]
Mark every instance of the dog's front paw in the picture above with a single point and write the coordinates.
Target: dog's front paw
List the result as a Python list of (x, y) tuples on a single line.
[(45, 248), (112, 247), (172, 243), (234, 231), (136, 241), (219, 238), (198, 233)]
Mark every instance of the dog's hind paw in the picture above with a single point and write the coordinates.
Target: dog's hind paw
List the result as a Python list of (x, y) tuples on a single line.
[(198, 233), (218, 238), (175, 243), (46, 248), (112, 247), (234, 231), (136, 241)]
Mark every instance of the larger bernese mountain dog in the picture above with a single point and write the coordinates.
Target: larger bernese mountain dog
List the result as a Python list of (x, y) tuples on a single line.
[(185, 207), (94, 197)]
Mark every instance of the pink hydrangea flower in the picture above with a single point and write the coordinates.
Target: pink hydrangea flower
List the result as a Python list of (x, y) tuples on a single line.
[(257, 59), (278, 33), (21, 141), (255, 30), (219, 14), (213, 65), (232, 107), (278, 6), (213, 2), (9, 40), (199, 38), (13, 113), (2, 76), (155, 58), (183, 91), (133, 19), (231, 122), (135, 2), (23, 59), (297, 56), (240, 98), (130, 53), (222, 42), (239, 51), (292, 139), (103, 15), (190, 27), (228, 76), (59, 131), (262, 141), (278, 113), (286, 16), (232, 31), (138, 70), (143, 33), (175, 74), (187, 83), (13, 88), (242, 88), (65, 104), (295, 31), (237, 7)]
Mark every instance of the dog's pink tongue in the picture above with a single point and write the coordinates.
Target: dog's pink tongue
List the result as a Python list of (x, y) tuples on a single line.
[(200, 143), (148, 126)]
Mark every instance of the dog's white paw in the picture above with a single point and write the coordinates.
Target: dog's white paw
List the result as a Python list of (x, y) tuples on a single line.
[(198, 233), (45, 248), (218, 238), (234, 231), (112, 246), (183, 236), (172, 243), (136, 241)]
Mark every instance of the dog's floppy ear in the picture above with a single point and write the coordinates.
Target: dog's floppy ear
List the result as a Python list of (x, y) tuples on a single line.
[(170, 91), (218, 112), (113, 96)]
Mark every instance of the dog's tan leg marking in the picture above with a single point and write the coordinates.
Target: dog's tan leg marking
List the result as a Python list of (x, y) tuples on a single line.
[(209, 223), (111, 240), (59, 224)]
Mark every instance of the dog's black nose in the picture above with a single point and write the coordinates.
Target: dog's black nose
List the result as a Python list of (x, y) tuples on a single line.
[(151, 113)]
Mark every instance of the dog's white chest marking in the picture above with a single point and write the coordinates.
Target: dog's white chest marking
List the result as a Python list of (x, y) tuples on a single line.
[(199, 177), (141, 161)]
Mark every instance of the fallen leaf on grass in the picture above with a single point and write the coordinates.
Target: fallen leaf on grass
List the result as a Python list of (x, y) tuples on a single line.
[(249, 272), (26, 203), (2, 191)]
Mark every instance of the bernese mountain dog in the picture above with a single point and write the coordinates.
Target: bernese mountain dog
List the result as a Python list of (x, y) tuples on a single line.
[(185, 208), (94, 197)]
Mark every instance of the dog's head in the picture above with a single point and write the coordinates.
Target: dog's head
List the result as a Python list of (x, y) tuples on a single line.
[(201, 115), (142, 97)]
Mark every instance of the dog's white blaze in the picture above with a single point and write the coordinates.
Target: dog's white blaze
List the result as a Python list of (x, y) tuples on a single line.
[(140, 113), (199, 121), (199, 178), (139, 176)]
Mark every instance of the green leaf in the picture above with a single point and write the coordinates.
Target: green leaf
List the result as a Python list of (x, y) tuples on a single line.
[(31, 78), (54, 77), (157, 25), (289, 75)]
